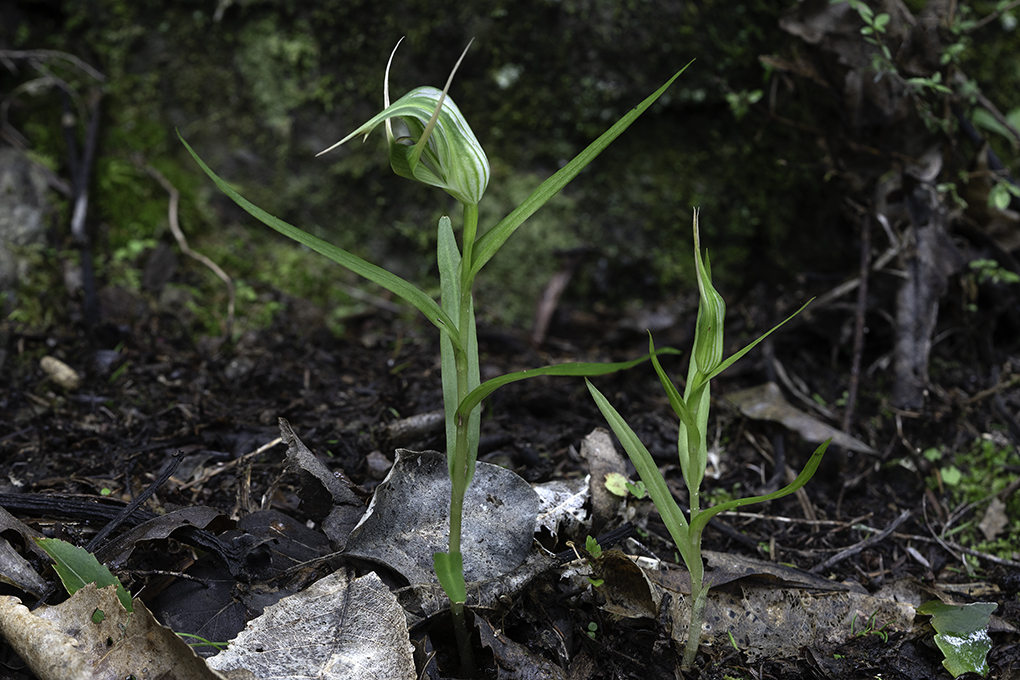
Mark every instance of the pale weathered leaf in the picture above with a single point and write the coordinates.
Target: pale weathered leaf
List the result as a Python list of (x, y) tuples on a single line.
[(766, 402), (91, 635), (408, 519), (340, 627)]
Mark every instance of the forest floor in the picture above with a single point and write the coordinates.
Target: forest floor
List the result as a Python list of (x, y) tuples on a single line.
[(933, 475)]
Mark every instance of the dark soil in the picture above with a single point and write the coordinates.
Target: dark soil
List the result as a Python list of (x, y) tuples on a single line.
[(163, 392)]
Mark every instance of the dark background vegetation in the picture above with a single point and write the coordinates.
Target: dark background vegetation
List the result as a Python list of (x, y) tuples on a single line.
[(792, 147), (259, 87)]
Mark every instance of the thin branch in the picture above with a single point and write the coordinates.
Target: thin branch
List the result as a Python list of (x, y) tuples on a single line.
[(175, 227), (858, 547), (8, 57)]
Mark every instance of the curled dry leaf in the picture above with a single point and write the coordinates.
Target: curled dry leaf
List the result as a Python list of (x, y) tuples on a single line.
[(91, 635), (766, 402)]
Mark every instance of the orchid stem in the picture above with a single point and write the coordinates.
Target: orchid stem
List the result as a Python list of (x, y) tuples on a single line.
[(463, 456)]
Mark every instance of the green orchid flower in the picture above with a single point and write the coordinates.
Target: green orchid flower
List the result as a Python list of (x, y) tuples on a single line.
[(437, 146)]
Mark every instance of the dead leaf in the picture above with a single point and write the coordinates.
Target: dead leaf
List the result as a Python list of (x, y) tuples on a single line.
[(514, 660), (91, 636), (15, 569), (116, 553), (995, 519), (340, 627), (766, 402), (561, 507), (408, 519), (322, 493)]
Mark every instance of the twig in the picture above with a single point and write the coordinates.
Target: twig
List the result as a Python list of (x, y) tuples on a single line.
[(956, 546), (993, 16), (854, 549), (175, 227), (230, 464), (8, 57), (941, 541), (175, 462), (862, 307)]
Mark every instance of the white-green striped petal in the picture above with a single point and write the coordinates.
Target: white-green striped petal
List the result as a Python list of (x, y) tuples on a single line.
[(440, 148), (708, 332)]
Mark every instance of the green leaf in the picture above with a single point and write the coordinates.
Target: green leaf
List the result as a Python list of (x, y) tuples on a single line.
[(387, 280), (493, 239), (591, 545), (576, 370), (739, 354), (450, 571), (449, 260), (77, 568), (999, 196), (670, 512), (961, 634), (616, 484), (698, 523), (689, 434)]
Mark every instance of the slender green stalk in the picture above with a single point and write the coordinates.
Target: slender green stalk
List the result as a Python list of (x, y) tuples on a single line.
[(463, 457), (692, 445)]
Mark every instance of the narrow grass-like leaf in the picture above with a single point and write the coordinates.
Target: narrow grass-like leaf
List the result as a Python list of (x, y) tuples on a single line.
[(740, 353), (448, 259), (450, 572), (77, 568), (387, 280), (576, 370), (668, 509), (493, 239), (698, 523)]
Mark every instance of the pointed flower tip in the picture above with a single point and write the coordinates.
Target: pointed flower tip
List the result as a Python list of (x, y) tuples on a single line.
[(440, 149), (708, 333)]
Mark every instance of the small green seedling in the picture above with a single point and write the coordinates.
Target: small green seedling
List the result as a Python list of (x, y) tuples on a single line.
[(637, 489), (592, 552), (437, 147), (591, 545), (593, 629), (199, 641), (869, 628), (692, 444)]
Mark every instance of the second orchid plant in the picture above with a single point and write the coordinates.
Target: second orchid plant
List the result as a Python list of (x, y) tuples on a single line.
[(435, 145)]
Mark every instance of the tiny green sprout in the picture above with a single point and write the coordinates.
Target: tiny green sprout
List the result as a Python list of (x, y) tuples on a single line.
[(591, 545), (869, 628), (199, 641), (838, 657), (105, 491), (637, 489), (733, 641), (951, 475), (593, 629)]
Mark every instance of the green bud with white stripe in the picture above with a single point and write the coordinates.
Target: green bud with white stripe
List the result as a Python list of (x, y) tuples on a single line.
[(708, 334), (436, 146)]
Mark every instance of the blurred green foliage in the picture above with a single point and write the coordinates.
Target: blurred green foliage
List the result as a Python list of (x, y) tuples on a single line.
[(259, 87)]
